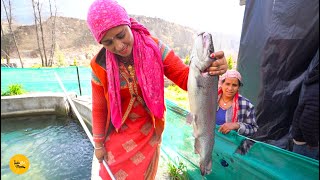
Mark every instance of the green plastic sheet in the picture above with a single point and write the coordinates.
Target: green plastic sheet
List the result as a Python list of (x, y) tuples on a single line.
[(260, 161)]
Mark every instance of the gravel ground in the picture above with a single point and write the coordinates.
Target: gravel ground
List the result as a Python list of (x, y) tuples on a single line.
[(162, 173)]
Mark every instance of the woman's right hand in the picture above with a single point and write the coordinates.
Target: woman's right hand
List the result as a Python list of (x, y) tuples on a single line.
[(101, 154)]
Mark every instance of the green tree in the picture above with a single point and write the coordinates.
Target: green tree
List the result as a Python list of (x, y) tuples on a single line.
[(59, 56), (75, 61), (230, 62), (187, 60)]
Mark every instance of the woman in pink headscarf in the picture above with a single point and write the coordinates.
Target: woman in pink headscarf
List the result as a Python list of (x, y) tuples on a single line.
[(128, 109), (234, 112)]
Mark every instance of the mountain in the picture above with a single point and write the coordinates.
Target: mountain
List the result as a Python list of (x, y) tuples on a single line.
[(74, 40)]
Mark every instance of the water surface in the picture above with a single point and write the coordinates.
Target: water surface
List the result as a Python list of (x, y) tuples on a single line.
[(56, 146)]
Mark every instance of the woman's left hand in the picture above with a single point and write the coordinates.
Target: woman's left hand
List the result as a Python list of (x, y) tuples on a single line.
[(218, 66), (227, 127)]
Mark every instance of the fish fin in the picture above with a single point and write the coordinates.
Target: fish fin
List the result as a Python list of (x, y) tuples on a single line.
[(209, 167), (190, 118)]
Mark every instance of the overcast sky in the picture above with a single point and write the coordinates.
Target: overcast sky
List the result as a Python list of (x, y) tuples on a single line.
[(209, 15)]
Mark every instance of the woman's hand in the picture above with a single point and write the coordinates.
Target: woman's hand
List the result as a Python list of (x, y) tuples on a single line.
[(227, 127), (100, 153), (220, 65)]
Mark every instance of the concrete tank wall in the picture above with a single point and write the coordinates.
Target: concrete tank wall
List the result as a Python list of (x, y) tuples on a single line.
[(35, 104)]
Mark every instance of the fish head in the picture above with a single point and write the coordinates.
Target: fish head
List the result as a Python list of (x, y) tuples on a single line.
[(201, 51)]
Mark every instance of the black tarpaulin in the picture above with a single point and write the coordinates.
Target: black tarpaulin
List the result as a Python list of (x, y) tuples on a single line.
[(278, 42)]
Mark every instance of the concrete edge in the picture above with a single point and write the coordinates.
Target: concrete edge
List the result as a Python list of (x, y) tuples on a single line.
[(28, 113), (57, 103)]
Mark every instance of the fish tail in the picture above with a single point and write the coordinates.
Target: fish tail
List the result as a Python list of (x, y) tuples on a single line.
[(206, 169)]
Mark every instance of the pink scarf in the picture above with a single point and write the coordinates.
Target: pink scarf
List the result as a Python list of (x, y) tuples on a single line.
[(106, 14), (235, 105), (149, 69)]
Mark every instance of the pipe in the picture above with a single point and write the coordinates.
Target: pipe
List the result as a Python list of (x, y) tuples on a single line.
[(79, 81)]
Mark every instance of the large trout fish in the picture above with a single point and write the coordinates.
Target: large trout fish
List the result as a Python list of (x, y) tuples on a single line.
[(203, 94)]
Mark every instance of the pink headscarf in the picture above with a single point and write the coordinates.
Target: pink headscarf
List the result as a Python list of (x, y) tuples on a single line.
[(235, 104), (229, 74), (106, 14)]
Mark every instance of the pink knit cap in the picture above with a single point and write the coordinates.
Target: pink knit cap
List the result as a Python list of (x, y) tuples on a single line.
[(104, 15), (230, 74)]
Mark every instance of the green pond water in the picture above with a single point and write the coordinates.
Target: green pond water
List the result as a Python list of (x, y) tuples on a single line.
[(57, 147)]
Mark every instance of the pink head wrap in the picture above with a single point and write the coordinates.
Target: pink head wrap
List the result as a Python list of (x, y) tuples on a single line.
[(106, 14), (235, 103), (230, 74)]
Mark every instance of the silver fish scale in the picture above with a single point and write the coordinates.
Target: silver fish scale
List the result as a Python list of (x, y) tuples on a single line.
[(203, 94)]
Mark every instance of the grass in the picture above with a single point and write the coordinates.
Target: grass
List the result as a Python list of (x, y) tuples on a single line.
[(14, 89), (177, 95), (177, 172)]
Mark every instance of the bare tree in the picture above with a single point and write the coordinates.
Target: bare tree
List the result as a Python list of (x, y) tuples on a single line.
[(5, 44), (9, 19), (40, 35), (53, 32), (37, 32)]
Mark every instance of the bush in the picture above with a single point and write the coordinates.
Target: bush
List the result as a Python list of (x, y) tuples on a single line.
[(36, 66), (59, 57), (14, 89), (177, 95), (187, 60), (230, 62), (75, 61), (177, 173)]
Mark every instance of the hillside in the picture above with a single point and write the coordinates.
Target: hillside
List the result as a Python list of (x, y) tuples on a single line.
[(74, 40)]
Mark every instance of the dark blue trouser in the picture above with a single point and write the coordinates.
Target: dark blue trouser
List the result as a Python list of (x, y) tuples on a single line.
[(312, 152)]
